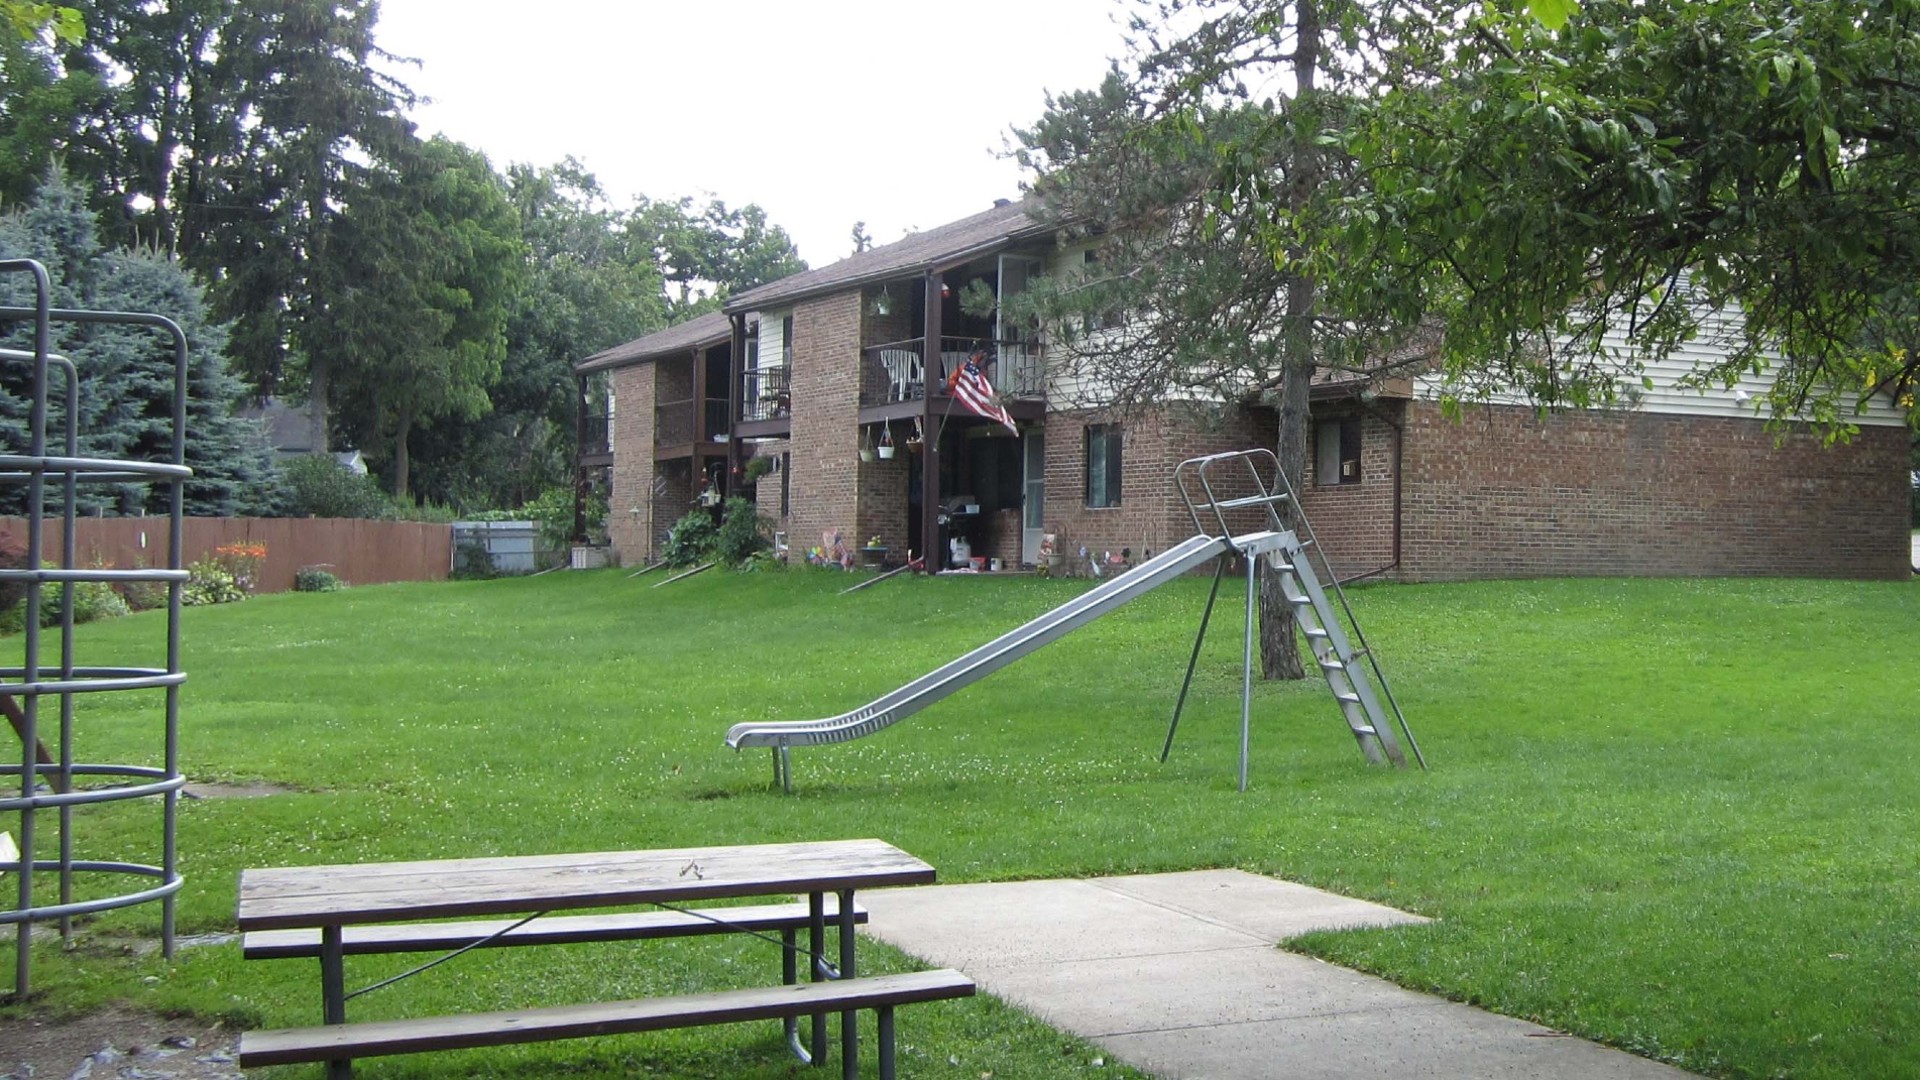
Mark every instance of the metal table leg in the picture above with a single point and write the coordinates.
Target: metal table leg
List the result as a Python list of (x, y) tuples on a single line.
[(333, 993), (849, 1020)]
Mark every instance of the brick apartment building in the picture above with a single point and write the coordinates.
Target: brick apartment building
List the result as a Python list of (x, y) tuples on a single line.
[(838, 365)]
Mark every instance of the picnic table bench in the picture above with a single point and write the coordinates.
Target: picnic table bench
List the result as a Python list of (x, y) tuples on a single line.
[(331, 912)]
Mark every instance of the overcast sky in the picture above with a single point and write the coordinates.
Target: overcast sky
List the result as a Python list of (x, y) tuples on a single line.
[(825, 112)]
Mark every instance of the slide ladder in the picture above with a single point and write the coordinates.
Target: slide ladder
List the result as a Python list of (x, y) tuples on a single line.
[(1346, 661), (1338, 657)]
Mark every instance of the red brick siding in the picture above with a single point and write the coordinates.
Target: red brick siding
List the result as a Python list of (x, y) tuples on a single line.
[(630, 513), (826, 482), (1507, 494), (673, 492), (1354, 522), (1151, 516)]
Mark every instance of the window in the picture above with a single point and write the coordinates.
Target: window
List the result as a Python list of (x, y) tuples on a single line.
[(1103, 465), (1336, 452), (786, 341), (785, 465)]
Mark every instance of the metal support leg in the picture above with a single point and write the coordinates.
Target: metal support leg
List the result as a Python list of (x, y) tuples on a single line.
[(849, 1020), (1246, 673), (333, 993), (886, 1042), (816, 947), (1219, 571), (783, 769), (789, 975)]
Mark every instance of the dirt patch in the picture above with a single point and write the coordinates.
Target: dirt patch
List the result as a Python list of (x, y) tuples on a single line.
[(117, 1043), (197, 790)]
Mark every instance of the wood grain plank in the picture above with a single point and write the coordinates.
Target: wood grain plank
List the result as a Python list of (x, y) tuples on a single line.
[(381, 938), (291, 1045), (286, 897)]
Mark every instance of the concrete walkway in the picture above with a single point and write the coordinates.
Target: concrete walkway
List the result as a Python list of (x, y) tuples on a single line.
[(1176, 974)]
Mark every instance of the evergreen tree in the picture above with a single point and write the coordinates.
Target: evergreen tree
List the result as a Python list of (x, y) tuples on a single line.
[(126, 373)]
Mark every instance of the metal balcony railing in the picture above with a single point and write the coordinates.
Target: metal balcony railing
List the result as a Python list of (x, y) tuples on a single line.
[(596, 435), (766, 393)]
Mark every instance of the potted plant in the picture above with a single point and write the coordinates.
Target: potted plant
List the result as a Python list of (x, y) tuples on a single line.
[(866, 446), (886, 443)]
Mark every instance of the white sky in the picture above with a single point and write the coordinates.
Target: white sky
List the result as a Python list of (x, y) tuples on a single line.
[(824, 112)]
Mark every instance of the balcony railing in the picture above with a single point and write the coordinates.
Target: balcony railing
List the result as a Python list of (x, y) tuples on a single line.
[(1018, 369), (766, 393), (595, 435)]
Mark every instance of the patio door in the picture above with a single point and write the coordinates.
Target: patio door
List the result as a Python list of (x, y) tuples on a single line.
[(1033, 495)]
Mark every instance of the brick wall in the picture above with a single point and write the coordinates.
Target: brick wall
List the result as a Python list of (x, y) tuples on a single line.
[(826, 482), (630, 510), (1151, 516), (1354, 522), (674, 486), (1505, 494)]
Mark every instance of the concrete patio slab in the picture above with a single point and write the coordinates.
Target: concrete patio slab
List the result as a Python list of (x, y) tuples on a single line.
[(1177, 974)]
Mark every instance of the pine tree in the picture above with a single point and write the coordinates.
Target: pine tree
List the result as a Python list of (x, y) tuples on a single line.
[(126, 373)]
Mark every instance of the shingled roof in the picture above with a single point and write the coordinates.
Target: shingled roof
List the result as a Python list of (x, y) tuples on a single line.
[(708, 329), (934, 249)]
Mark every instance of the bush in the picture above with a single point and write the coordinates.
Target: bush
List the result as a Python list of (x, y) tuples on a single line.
[(316, 579), (91, 600), (690, 540), (742, 532), (472, 563), (554, 511), (208, 582), (318, 486)]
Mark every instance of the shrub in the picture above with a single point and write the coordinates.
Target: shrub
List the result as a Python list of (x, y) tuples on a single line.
[(91, 600), (472, 563), (318, 486), (316, 579), (208, 582), (554, 511), (690, 540), (742, 532)]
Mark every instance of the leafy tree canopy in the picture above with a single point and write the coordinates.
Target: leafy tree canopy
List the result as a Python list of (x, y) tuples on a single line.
[(1634, 166)]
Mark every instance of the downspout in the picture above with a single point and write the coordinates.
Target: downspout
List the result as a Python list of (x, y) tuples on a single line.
[(1399, 441)]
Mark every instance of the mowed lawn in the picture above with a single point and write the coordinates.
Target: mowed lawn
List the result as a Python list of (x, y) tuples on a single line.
[(1674, 816)]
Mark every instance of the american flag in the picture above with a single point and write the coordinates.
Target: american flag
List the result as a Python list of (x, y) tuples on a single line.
[(970, 385)]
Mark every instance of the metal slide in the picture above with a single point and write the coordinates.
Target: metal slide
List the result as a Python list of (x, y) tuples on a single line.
[(998, 653), (1339, 657)]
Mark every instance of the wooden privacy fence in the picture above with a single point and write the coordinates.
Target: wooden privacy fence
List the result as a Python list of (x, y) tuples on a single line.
[(359, 552)]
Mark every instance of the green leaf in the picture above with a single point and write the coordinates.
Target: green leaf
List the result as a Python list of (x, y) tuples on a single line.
[(1553, 14)]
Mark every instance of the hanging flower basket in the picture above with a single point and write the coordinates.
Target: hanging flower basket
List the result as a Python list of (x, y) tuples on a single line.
[(886, 444), (866, 447)]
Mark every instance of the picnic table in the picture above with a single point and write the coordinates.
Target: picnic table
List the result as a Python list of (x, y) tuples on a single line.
[(330, 912)]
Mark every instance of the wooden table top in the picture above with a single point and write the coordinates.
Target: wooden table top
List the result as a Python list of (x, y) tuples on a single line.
[(299, 896)]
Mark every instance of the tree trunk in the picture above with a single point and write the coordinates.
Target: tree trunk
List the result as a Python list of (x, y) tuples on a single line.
[(1279, 647), (317, 391), (400, 464)]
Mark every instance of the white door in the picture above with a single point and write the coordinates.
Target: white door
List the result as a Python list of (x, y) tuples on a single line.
[(1034, 492)]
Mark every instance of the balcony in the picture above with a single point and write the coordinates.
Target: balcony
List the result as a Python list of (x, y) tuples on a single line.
[(896, 372), (766, 394), (596, 435)]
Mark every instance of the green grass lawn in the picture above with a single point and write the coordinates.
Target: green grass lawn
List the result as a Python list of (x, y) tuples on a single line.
[(1674, 816)]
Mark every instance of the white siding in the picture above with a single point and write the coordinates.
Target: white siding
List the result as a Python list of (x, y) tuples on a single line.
[(1668, 394)]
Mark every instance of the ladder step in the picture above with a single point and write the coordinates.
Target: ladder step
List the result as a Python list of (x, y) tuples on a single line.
[(1351, 699), (1244, 502), (1316, 632)]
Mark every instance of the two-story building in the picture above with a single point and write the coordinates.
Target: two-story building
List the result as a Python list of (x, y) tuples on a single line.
[(840, 377)]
